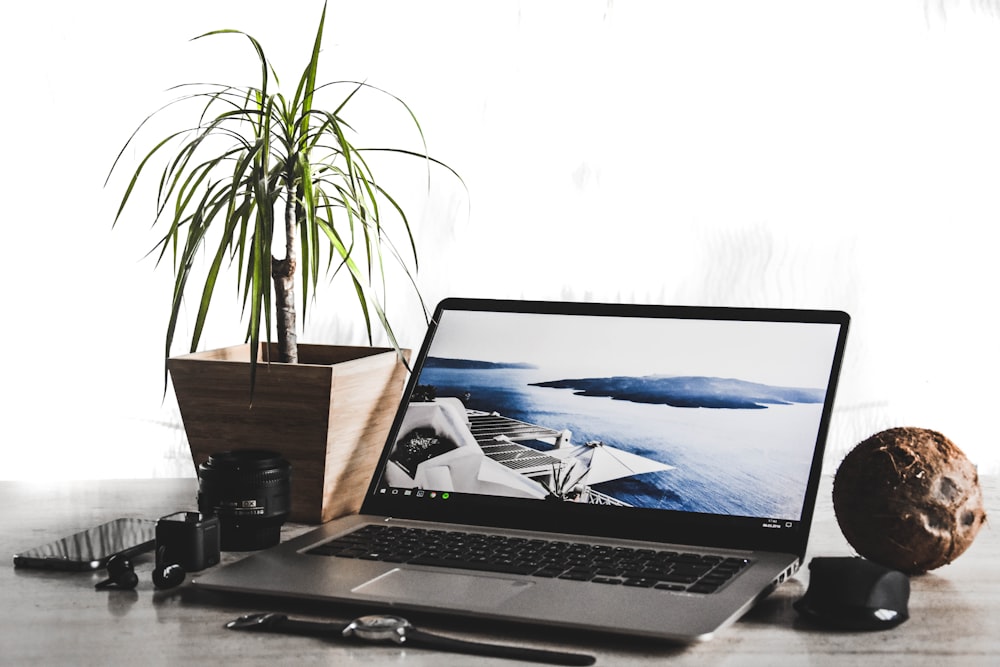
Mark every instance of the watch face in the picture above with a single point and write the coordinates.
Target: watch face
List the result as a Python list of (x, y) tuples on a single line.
[(379, 628)]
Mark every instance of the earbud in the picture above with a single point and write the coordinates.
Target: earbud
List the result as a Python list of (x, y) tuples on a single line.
[(167, 575), (121, 574)]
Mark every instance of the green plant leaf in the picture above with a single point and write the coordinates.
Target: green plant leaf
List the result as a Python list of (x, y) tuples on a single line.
[(250, 150)]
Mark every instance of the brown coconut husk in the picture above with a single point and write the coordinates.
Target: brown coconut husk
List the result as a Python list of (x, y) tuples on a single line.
[(908, 498)]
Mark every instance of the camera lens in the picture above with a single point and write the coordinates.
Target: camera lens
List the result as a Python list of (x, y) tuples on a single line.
[(249, 490)]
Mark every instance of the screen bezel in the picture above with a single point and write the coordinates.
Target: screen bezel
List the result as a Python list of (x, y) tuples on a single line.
[(670, 527)]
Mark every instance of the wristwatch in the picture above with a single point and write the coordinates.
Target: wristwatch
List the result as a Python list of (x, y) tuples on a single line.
[(380, 628)]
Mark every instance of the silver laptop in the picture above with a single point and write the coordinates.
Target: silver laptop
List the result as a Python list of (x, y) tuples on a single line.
[(639, 470)]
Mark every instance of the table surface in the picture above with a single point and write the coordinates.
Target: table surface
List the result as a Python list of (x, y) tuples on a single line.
[(57, 618)]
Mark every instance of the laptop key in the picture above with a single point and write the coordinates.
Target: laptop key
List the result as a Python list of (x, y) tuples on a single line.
[(548, 573), (395, 558), (670, 587), (482, 567), (641, 583), (679, 578), (349, 553)]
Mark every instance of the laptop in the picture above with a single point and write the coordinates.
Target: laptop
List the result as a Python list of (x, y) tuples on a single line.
[(638, 470)]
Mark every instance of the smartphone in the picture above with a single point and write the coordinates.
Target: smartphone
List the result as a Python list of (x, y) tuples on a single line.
[(92, 548)]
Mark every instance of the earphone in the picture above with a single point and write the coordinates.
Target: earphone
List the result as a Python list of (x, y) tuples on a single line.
[(166, 575), (121, 573)]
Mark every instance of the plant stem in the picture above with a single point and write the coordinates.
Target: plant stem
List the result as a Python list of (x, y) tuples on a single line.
[(283, 275)]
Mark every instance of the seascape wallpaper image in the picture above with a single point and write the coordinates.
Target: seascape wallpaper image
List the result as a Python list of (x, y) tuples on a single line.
[(703, 416)]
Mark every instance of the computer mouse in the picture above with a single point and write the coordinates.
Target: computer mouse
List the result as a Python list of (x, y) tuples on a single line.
[(854, 594)]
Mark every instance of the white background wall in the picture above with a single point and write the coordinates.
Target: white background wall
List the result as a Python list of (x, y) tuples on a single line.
[(801, 154)]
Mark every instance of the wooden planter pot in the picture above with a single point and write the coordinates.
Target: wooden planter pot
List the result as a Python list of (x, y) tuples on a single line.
[(329, 415)]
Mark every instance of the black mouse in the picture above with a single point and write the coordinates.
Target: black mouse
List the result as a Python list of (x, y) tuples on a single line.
[(854, 594)]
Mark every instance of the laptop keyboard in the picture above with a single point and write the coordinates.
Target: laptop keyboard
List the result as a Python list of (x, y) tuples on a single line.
[(644, 568)]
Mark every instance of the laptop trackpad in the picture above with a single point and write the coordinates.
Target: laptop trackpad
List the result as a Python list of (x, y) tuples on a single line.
[(447, 588)]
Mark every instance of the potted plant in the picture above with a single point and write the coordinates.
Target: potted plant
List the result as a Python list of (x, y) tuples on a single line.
[(257, 162)]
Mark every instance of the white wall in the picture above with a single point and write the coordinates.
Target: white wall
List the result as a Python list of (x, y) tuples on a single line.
[(803, 154)]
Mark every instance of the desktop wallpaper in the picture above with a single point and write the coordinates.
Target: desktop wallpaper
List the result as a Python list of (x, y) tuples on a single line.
[(706, 416)]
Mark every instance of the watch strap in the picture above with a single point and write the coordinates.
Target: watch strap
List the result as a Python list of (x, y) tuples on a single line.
[(422, 638), (272, 622)]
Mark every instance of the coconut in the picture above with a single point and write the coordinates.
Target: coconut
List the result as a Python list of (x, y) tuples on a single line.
[(909, 499)]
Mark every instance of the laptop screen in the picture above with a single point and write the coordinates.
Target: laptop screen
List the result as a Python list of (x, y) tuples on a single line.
[(701, 418)]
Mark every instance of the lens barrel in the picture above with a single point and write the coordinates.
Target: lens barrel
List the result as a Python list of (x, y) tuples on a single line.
[(249, 490)]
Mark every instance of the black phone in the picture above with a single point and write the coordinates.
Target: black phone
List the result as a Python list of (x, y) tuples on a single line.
[(92, 548)]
